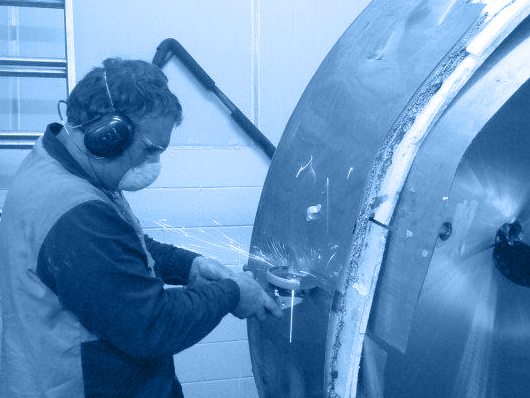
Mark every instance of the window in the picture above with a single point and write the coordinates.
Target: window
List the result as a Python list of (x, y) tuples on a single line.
[(36, 70)]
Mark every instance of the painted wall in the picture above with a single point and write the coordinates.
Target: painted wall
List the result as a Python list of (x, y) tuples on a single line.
[(261, 54)]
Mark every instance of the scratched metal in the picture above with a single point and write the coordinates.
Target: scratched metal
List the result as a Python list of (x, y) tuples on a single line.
[(315, 185), (444, 322)]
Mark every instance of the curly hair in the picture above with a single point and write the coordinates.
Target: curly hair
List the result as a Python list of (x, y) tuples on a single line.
[(138, 89)]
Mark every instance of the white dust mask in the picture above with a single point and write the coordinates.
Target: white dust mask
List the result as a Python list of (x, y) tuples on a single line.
[(140, 177)]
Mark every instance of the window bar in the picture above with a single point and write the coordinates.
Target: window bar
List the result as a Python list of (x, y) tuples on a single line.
[(18, 139), (33, 3), (31, 67)]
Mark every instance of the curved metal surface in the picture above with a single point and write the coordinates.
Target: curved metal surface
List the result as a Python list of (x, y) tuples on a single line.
[(318, 214), (430, 331), (469, 334)]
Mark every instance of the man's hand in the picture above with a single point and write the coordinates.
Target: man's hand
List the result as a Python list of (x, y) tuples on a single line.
[(253, 301), (206, 269)]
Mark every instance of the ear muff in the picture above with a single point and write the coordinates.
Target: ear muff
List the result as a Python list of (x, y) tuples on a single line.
[(108, 136)]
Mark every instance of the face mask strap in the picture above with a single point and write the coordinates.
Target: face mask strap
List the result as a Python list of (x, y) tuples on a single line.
[(63, 120)]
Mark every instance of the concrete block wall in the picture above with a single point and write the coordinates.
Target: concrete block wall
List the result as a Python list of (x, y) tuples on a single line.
[(261, 54), (219, 366)]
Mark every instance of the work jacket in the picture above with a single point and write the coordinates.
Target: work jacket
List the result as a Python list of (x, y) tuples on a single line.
[(86, 311)]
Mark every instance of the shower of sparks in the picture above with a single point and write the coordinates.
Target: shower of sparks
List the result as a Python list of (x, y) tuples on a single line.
[(315, 261), (206, 242)]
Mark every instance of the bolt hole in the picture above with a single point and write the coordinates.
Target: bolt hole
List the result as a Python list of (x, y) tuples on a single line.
[(445, 230)]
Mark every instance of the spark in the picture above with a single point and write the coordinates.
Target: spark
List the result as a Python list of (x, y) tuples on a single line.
[(331, 258), (446, 12)]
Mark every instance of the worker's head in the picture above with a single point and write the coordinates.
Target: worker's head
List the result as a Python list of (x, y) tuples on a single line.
[(126, 113)]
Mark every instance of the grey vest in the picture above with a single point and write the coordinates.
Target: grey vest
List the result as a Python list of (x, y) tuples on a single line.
[(40, 340)]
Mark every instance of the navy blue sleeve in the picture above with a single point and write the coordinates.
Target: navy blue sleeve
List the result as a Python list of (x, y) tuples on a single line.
[(172, 264), (94, 261)]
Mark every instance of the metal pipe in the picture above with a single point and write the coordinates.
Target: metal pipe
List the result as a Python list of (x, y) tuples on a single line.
[(169, 47)]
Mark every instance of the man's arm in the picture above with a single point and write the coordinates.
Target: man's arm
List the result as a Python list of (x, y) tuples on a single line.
[(177, 266), (172, 264), (94, 261)]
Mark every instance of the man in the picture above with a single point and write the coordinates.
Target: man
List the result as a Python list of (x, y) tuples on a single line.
[(84, 308)]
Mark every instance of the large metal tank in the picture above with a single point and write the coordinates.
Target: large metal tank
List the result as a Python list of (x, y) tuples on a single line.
[(406, 156)]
